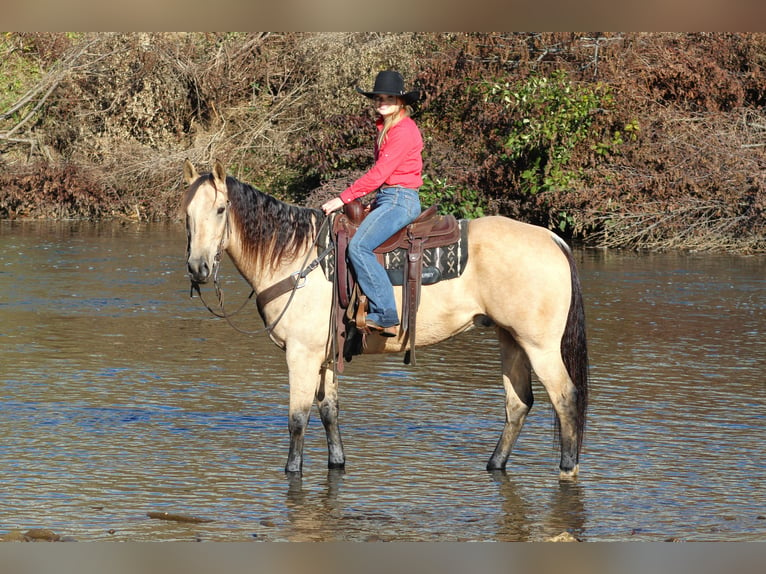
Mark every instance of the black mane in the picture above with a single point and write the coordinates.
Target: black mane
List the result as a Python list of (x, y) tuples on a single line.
[(270, 229)]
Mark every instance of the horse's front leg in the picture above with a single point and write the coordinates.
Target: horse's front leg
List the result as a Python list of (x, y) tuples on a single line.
[(304, 370), (327, 399)]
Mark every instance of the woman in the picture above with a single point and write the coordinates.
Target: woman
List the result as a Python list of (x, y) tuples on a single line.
[(397, 176)]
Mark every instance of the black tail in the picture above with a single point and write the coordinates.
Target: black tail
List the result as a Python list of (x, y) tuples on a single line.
[(574, 346)]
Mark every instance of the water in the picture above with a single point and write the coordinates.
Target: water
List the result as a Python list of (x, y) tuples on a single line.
[(121, 396)]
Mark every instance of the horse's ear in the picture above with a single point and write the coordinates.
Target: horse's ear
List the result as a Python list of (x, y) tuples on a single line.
[(190, 173), (219, 174)]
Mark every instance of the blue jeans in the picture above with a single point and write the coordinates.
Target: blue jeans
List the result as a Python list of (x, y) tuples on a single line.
[(393, 209)]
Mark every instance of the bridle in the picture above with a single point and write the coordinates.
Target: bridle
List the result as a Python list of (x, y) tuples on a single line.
[(195, 285), (290, 284)]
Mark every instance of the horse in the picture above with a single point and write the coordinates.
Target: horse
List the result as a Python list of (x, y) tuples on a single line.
[(520, 278)]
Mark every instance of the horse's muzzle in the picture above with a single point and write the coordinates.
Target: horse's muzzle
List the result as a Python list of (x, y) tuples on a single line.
[(199, 270)]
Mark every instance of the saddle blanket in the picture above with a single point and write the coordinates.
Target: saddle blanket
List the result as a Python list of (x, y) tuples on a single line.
[(439, 263)]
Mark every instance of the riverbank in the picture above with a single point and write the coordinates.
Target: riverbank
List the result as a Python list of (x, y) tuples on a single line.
[(621, 140)]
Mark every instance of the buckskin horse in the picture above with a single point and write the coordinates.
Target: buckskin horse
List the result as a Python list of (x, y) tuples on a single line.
[(518, 277)]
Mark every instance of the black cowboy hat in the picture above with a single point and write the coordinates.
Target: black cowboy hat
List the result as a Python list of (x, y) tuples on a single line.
[(391, 83)]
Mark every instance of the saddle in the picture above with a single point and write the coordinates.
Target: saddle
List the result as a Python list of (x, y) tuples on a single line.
[(429, 230)]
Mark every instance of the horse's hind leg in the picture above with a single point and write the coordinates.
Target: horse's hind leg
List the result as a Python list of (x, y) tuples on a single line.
[(552, 373), (327, 399), (517, 380)]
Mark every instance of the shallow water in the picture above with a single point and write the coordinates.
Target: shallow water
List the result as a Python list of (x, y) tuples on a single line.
[(121, 396)]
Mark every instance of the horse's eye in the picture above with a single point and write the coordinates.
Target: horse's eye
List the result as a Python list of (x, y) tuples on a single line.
[(221, 210)]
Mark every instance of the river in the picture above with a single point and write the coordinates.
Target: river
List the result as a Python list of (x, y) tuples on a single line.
[(123, 399)]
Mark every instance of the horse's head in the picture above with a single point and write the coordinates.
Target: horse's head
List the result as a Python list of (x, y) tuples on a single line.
[(206, 204)]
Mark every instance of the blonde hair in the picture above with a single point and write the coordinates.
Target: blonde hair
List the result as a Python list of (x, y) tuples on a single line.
[(405, 111)]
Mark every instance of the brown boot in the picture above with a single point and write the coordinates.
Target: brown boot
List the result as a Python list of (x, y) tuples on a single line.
[(391, 331)]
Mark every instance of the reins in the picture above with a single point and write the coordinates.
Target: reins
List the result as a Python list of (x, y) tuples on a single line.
[(290, 284)]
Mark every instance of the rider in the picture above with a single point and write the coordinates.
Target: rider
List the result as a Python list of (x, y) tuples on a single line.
[(397, 176)]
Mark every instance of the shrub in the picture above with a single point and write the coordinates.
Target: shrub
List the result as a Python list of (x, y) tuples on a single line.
[(462, 203), (551, 116)]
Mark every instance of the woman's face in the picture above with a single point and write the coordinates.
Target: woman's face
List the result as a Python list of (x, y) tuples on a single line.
[(386, 105)]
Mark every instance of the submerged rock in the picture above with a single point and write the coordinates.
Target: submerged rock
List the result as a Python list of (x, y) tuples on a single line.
[(178, 517), (13, 536), (563, 537), (34, 535)]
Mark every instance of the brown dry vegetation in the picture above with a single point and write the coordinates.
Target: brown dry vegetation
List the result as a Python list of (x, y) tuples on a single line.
[(98, 125)]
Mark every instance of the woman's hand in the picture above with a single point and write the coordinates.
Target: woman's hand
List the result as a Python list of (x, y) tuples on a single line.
[(332, 205)]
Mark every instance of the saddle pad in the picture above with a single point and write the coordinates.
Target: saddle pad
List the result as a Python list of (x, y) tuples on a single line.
[(439, 263)]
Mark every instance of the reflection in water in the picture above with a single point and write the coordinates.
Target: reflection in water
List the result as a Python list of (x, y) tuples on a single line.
[(514, 519), (563, 511), (567, 511), (315, 516), (122, 396)]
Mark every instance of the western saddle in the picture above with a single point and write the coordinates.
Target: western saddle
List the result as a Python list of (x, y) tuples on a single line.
[(429, 230)]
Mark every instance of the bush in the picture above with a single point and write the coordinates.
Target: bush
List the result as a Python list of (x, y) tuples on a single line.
[(462, 203), (52, 192), (551, 117)]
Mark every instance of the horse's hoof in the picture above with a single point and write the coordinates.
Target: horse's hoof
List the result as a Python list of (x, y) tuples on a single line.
[(493, 466), (569, 474)]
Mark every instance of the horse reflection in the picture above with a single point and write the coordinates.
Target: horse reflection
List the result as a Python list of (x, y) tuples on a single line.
[(316, 516), (565, 512)]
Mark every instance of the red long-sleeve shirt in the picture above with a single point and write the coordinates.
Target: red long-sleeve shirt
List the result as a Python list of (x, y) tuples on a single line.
[(398, 161)]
